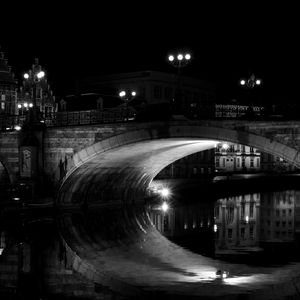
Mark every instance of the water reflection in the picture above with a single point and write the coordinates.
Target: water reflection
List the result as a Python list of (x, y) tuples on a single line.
[(237, 228)]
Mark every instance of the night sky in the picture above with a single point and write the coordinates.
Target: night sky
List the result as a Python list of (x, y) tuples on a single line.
[(226, 43)]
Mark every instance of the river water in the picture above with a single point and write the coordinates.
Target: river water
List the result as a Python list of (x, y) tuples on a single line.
[(231, 238)]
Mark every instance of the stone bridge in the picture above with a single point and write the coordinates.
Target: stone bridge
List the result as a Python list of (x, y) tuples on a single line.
[(112, 242), (133, 153)]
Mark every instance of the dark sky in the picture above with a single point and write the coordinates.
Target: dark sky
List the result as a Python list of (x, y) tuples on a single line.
[(227, 43)]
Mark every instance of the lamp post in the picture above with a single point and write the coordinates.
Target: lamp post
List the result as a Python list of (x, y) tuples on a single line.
[(127, 96), (32, 79), (250, 84), (179, 60)]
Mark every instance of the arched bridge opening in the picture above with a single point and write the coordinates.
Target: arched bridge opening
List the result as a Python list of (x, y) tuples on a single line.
[(112, 240)]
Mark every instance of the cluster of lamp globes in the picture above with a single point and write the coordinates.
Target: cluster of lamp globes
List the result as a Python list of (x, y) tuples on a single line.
[(179, 57), (26, 105), (38, 75), (123, 94), (250, 82)]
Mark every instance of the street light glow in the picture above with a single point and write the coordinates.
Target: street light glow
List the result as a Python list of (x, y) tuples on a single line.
[(187, 56), (19, 105), (30, 105), (40, 74), (171, 58), (164, 206), (26, 75), (225, 146), (25, 104), (133, 93), (122, 94), (17, 127), (258, 81), (165, 192), (180, 57), (243, 82)]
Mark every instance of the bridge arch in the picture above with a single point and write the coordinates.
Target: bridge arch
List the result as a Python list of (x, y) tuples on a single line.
[(120, 245), (122, 167)]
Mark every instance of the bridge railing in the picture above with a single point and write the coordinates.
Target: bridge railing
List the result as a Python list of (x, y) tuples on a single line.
[(70, 118)]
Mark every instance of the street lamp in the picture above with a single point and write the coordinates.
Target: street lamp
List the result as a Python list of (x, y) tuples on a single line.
[(32, 79), (127, 96), (250, 84), (179, 60)]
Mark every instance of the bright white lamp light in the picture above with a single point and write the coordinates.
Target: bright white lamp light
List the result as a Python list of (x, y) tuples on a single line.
[(225, 146), (40, 74), (164, 206), (180, 57), (171, 57), (165, 192), (187, 56), (26, 75), (122, 94), (243, 82)]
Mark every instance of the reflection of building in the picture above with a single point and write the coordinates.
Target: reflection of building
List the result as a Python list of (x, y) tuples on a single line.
[(163, 221), (8, 88), (237, 222), (278, 216), (186, 220), (198, 165)]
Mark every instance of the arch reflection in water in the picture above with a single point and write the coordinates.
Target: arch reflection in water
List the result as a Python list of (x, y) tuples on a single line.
[(234, 226)]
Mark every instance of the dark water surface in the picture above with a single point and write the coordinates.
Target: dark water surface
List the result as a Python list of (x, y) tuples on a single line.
[(233, 238)]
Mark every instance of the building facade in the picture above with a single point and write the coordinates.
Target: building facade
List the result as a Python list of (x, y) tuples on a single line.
[(36, 91), (237, 158), (154, 87), (8, 88), (198, 165)]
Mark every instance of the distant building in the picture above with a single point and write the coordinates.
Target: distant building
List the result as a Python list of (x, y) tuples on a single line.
[(231, 157), (155, 88), (8, 88), (198, 165), (38, 90)]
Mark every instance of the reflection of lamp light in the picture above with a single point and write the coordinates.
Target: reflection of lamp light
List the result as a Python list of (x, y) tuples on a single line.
[(2, 242), (222, 274), (215, 227), (164, 206), (247, 219), (165, 193)]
